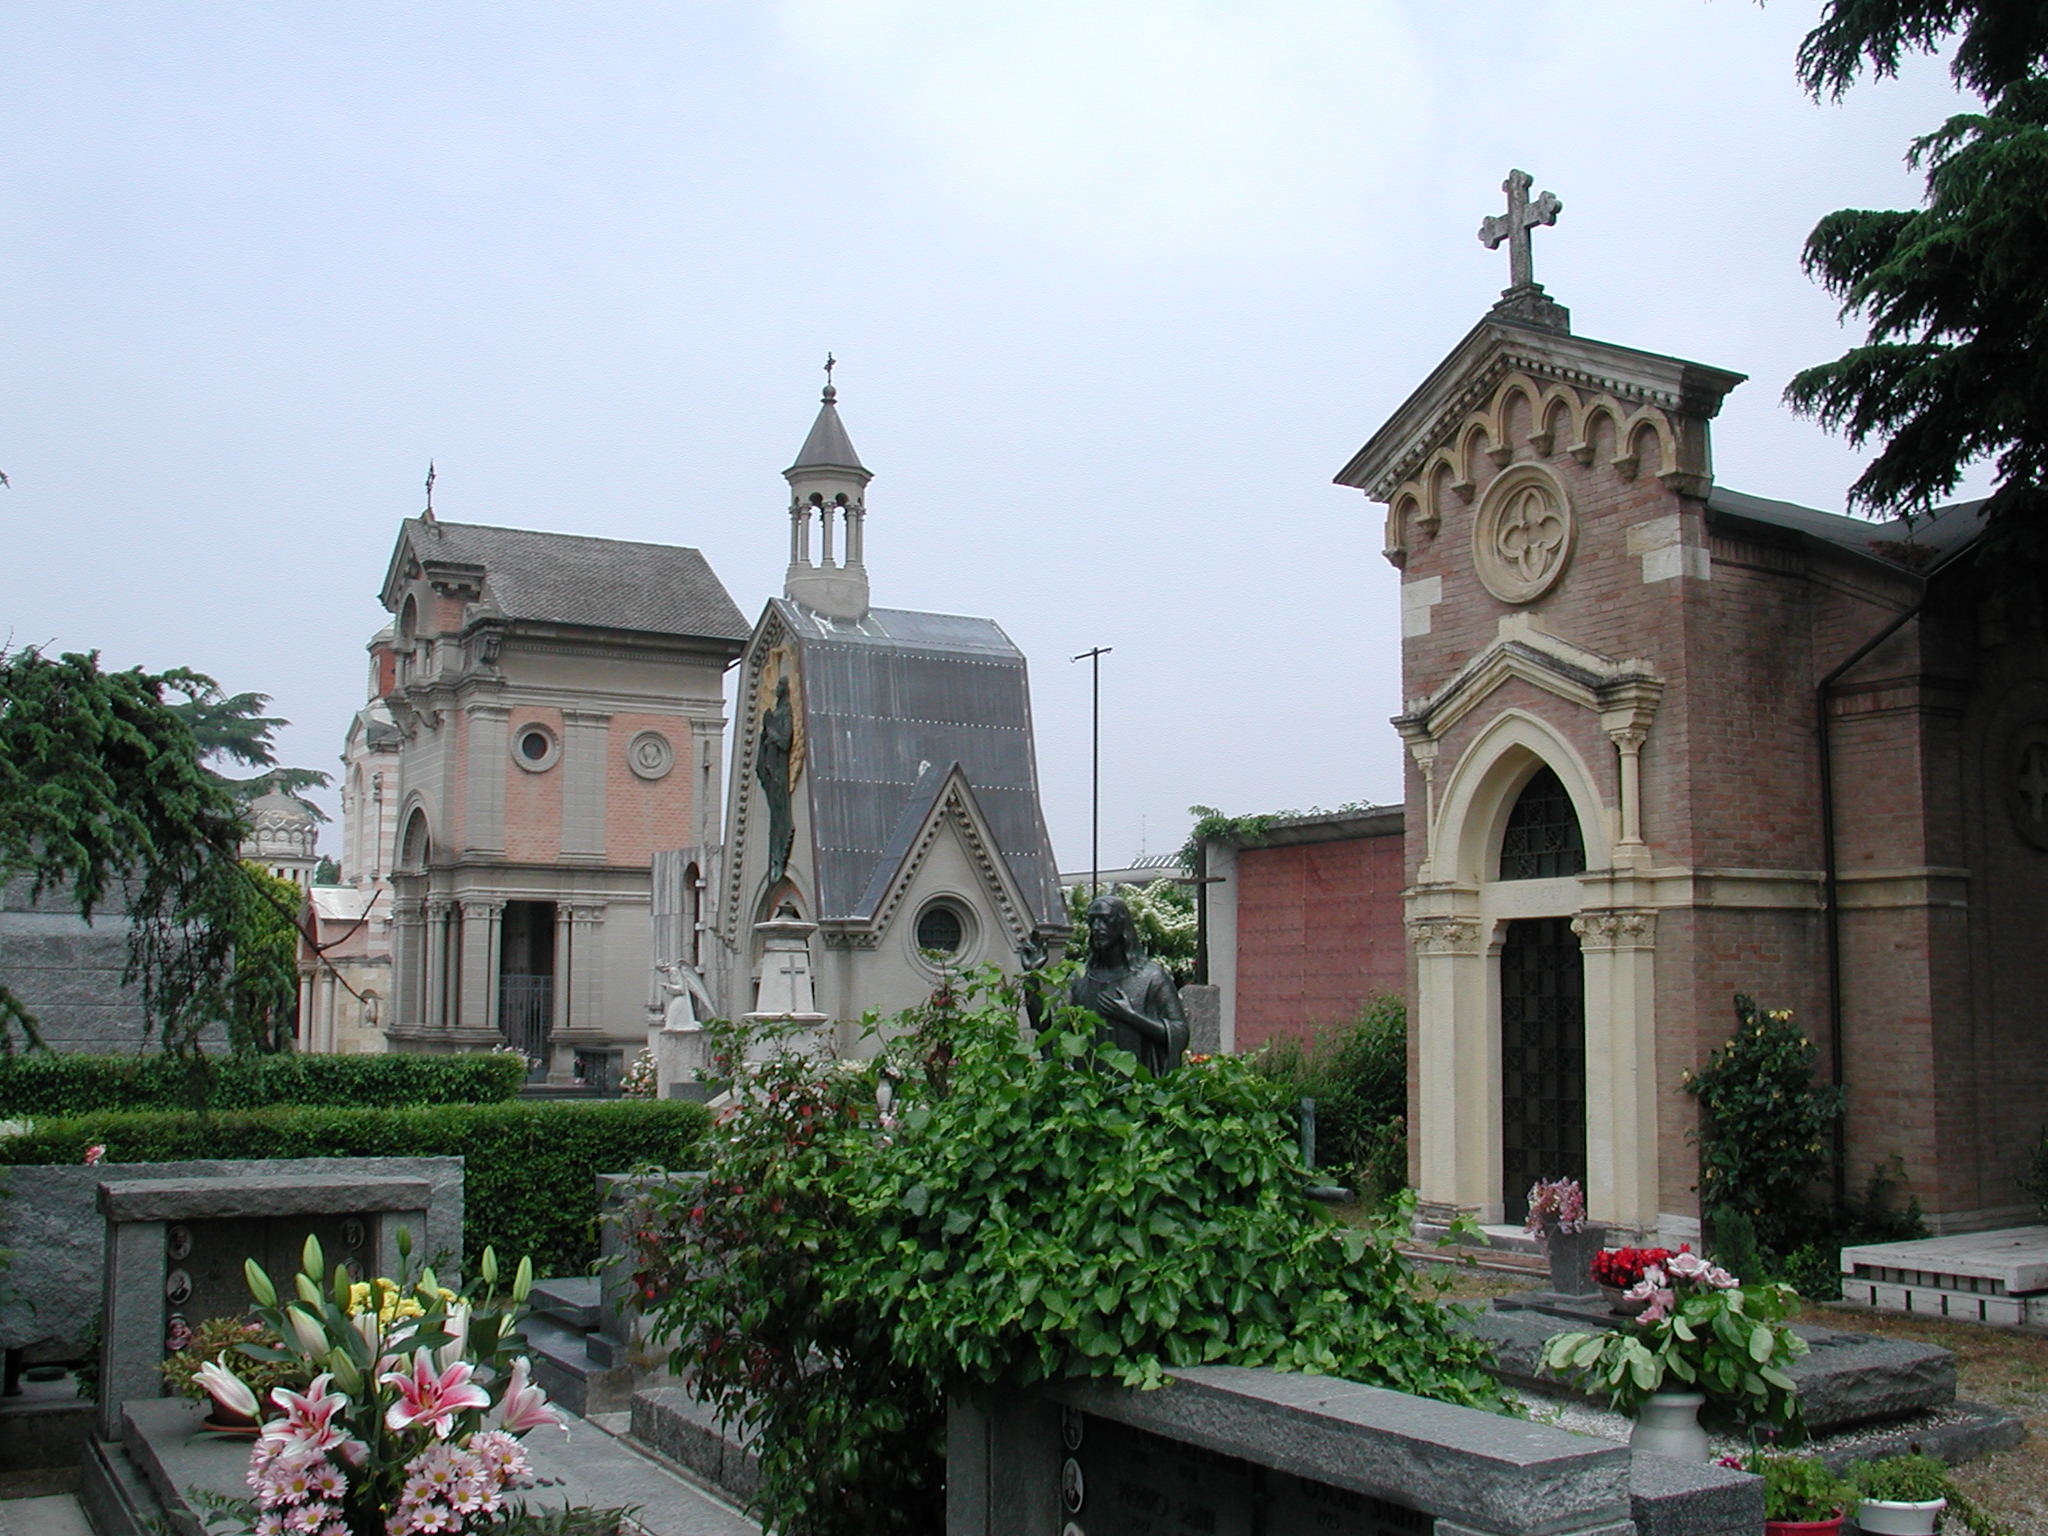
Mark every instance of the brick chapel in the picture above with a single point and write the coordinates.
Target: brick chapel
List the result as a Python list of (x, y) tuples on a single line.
[(1666, 742)]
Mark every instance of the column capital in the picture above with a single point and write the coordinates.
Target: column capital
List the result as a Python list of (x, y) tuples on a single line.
[(484, 906), (1617, 928), (1442, 934)]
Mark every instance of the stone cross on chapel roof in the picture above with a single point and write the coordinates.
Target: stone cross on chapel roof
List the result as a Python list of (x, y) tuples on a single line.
[(1524, 296)]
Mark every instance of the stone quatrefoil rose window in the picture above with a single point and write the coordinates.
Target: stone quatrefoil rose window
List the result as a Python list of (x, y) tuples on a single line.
[(1522, 538)]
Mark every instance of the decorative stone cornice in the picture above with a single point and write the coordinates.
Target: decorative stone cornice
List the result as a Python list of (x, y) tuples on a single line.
[(1578, 369), (1625, 692)]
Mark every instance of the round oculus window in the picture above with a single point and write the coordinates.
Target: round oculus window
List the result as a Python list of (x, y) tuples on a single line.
[(535, 748), (940, 929)]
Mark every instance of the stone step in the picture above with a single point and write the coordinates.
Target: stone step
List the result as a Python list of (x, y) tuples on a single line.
[(676, 1424), (567, 1372), (572, 1300)]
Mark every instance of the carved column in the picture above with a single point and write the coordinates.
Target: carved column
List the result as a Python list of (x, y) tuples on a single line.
[(1457, 1068), (1424, 751), (558, 1024), (434, 1015), (1628, 741), (1618, 948), (482, 933), (408, 938)]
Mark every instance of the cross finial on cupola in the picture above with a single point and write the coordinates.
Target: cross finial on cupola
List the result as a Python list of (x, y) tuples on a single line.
[(1524, 299), (828, 479)]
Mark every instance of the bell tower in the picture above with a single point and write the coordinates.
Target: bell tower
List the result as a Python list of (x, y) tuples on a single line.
[(829, 481)]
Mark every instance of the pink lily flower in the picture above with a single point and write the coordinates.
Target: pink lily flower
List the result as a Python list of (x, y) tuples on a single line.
[(524, 1405), (308, 1425), (226, 1388), (425, 1397)]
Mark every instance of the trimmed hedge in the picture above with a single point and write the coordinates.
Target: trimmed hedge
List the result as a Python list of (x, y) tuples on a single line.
[(43, 1083), (530, 1167)]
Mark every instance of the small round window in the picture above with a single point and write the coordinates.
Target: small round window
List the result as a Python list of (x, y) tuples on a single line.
[(939, 929), (535, 748)]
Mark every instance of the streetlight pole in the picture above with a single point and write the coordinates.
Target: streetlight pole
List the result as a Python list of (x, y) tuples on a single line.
[(1094, 660)]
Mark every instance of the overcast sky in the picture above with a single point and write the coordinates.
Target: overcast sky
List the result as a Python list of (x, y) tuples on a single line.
[(1116, 286)]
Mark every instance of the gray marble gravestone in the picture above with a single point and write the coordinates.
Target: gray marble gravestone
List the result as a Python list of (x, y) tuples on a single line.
[(174, 1246), (1226, 1451)]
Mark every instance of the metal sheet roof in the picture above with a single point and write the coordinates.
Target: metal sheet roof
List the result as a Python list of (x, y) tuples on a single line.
[(891, 703)]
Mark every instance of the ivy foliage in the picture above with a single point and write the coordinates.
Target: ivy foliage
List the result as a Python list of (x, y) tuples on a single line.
[(1023, 1211), (1765, 1125), (102, 794)]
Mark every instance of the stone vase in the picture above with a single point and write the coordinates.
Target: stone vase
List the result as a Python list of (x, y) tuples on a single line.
[(1571, 1259), (1668, 1424)]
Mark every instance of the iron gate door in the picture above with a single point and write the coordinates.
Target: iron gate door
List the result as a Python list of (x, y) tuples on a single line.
[(1543, 1058)]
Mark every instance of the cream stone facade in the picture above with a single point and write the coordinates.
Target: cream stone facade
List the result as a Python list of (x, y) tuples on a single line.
[(559, 705)]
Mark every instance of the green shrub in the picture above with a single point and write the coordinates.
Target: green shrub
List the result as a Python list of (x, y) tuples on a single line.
[(2034, 1180), (1358, 1076), (1765, 1125), (1025, 1211), (529, 1170), (44, 1083)]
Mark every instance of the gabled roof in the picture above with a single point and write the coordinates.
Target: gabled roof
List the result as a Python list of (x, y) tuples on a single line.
[(1498, 345), (572, 578), (891, 703), (1935, 534)]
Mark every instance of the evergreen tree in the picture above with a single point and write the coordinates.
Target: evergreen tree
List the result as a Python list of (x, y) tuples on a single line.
[(1955, 294), (102, 794), (233, 727)]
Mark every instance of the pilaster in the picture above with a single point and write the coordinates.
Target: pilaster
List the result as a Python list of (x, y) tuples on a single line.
[(585, 743), (1618, 949), (489, 759)]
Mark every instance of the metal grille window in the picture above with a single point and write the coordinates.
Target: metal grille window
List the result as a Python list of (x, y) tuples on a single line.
[(1542, 839)]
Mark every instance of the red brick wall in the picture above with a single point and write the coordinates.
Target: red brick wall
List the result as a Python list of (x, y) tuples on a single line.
[(1319, 932)]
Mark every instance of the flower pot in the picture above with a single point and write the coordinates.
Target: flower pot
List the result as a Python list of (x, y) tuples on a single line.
[(1894, 1517), (1805, 1527), (1668, 1424), (1571, 1259), (225, 1421), (1619, 1304)]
